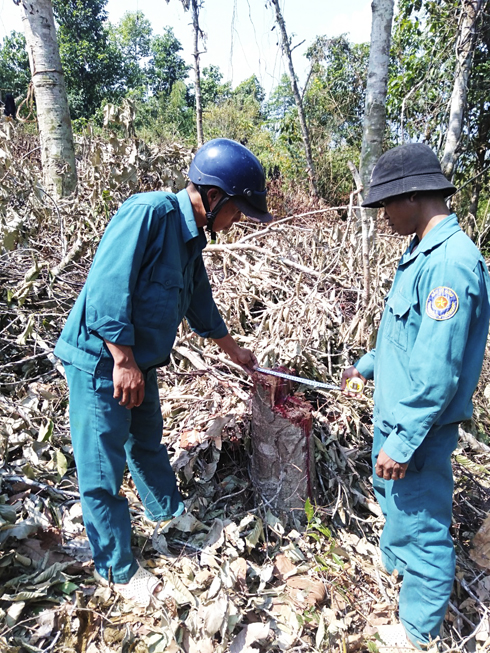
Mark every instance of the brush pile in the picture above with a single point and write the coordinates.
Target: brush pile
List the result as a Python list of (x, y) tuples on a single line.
[(237, 578)]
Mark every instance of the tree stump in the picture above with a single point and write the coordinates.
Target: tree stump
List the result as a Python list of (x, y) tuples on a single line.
[(283, 463)]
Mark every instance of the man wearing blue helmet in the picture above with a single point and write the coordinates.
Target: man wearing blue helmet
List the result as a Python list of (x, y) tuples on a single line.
[(147, 275), (237, 173)]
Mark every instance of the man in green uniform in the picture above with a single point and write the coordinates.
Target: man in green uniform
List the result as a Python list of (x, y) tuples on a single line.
[(147, 275), (426, 365)]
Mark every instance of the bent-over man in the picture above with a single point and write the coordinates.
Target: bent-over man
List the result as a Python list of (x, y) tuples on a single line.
[(147, 275)]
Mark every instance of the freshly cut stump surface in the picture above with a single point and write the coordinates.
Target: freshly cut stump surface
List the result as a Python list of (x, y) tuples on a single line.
[(283, 464)]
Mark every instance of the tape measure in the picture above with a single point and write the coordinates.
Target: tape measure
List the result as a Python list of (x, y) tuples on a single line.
[(354, 384)]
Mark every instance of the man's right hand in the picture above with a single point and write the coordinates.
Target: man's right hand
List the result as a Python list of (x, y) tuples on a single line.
[(129, 383), (349, 373)]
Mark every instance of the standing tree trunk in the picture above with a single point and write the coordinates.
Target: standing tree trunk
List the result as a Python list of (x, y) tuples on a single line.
[(365, 219), (465, 45), (377, 82), (480, 148), (196, 6), (297, 97), (53, 115), (374, 117), (197, 71)]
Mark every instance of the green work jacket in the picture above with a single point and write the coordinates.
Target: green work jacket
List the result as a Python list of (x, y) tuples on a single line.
[(148, 273), (431, 340)]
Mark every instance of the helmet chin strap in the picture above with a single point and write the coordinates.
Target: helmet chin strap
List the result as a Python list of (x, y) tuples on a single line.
[(211, 215)]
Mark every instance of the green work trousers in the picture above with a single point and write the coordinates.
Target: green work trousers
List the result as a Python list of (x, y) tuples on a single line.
[(416, 540), (106, 437)]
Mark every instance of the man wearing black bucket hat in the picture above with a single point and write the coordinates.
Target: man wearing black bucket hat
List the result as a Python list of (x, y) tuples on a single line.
[(426, 365), (147, 275)]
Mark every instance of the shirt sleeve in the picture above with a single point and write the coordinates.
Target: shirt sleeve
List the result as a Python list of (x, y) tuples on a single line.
[(115, 270), (203, 315), (365, 365), (435, 362)]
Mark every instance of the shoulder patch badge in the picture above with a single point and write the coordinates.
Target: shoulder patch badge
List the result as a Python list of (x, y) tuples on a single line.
[(442, 303)]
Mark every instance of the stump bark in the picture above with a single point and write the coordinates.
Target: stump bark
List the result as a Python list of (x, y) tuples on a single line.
[(282, 463)]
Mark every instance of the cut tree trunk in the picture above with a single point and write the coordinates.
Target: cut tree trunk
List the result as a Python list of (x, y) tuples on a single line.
[(283, 463)]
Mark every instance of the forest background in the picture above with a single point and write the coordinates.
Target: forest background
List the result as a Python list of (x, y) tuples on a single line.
[(105, 63)]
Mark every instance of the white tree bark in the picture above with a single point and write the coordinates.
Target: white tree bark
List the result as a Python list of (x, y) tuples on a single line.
[(297, 97), (53, 115), (366, 221), (196, 5), (374, 118), (465, 45), (197, 71), (377, 82)]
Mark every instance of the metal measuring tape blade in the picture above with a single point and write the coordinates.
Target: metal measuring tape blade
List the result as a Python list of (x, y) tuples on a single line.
[(354, 384)]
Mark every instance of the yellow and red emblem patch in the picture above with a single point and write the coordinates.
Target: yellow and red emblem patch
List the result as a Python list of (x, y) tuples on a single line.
[(442, 303)]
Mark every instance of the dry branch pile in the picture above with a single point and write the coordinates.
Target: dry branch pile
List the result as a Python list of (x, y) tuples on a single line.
[(237, 578)]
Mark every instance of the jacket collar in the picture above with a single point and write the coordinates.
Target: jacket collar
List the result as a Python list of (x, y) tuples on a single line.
[(437, 235), (189, 226)]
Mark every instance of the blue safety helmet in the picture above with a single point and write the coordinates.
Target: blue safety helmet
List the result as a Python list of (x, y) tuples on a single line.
[(233, 168)]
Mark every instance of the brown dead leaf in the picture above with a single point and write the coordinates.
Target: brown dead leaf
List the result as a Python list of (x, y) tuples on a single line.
[(37, 550), (42, 389), (239, 569), (381, 614), (482, 633), (113, 634), (305, 591), (203, 578), (204, 645), (217, 425), (190, 438), (338, 602), (287, 626), (480, 553), (214, 614), (171, 607), (248, 636), (20, 496), (283, 567)]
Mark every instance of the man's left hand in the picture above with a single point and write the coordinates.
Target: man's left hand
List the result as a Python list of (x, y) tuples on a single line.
[(388, 468)]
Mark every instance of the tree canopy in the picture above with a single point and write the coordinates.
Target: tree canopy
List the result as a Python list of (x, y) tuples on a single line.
[(104, 63), (91, 63), (14, 64)]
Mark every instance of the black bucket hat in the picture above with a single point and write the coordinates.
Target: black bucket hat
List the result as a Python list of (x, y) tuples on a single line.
[(404, 169)]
